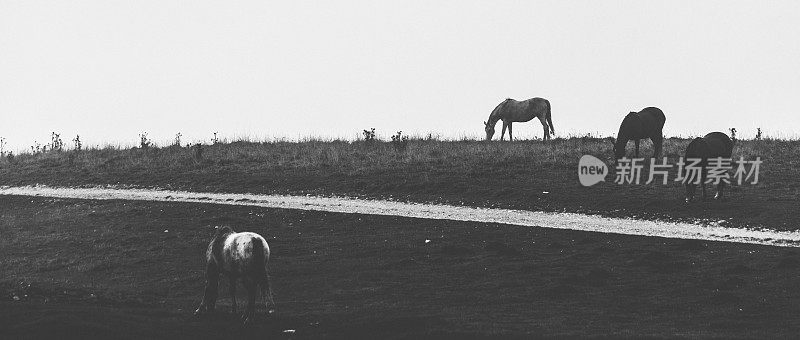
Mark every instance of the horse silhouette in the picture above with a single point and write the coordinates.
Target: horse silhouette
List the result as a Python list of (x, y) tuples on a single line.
[(647, 123), (712, 145), (510, 111)]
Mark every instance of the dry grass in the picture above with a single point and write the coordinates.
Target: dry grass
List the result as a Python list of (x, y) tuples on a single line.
[(353, 155), (473, 172)]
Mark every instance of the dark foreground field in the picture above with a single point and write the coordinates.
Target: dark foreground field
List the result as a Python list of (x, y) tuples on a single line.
[(115, 269), (531, 175)]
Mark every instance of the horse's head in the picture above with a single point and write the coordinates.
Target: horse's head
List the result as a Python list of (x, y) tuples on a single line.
[(489, 130), (222, 231), (618, 150), (697, 148)]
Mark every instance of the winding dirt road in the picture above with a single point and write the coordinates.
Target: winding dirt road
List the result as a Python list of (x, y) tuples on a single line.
[(431, 211)]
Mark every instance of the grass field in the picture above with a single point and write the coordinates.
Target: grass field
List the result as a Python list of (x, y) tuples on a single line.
[(532, 175), (117, 269)]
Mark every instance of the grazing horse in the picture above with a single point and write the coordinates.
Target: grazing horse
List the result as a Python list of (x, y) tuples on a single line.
[(510, 111), (647, 123), (240, 256), (712, 145)]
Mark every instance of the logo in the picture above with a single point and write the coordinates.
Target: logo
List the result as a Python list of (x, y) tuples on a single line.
[(591, 170)]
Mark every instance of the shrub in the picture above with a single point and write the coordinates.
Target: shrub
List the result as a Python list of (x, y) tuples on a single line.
[(144, 142), (78, 144), (56, 144), (400, 142), (369, 135), (37, 148), (198, 151)]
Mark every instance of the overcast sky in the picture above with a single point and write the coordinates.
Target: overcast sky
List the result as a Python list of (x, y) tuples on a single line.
[(108, 70)]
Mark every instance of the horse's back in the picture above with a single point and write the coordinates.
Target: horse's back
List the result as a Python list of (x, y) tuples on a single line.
[(632, 127), (647, 123), (697, 148), (242, 250), (244, 242), (524, 110), (653, 118), (712, 145), (719, 144), (540, 105)]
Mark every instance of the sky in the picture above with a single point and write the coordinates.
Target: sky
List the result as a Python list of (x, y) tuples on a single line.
[(109, 70)]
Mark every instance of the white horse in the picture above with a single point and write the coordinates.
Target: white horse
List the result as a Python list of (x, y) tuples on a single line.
[(240, 256)]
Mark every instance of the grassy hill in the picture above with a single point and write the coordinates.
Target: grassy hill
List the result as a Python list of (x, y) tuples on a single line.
[(533, 174)]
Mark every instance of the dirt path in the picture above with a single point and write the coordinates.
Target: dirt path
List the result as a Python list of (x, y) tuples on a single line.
[(714, 232)]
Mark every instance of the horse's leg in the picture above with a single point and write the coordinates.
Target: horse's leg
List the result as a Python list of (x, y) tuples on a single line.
[(510, 136), (251, 286), (636, 141), (266, 293), (232, 284), (720, 187), (546, 130), (503, 134), (703, 180), (658, 142), (210, 293)]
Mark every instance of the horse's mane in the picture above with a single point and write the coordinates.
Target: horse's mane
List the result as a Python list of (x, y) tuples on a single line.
[(497, 109), (625, 126)]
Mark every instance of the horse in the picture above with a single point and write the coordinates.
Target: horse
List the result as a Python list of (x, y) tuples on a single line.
[(647, 123), (239, 256), (510, 111), (712, 145)]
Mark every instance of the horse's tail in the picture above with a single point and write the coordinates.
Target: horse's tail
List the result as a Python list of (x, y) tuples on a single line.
[(259, 258), (550, 119)]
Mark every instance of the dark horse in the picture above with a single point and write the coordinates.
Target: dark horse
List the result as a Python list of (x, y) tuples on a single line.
[(647, 123), (713, 145)]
